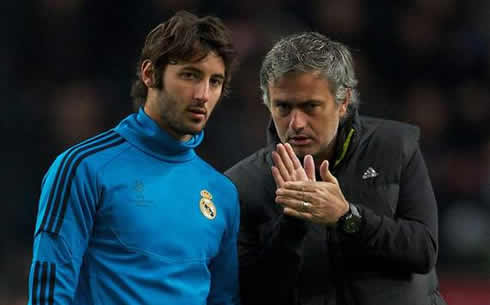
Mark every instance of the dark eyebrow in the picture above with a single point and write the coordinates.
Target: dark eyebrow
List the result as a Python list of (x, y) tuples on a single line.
[(282, 102), (313, 101), (191, 69), (219, 75)]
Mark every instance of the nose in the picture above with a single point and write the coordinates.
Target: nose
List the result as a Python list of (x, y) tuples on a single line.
[(298, 120), (201, 91)]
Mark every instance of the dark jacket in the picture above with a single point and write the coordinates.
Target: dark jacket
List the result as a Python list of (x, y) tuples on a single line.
[(284, 260)]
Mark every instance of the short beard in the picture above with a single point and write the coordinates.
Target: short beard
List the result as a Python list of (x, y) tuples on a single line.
[(169, 116)]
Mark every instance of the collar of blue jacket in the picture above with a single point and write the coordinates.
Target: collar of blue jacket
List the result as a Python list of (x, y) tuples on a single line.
[(145, 134)]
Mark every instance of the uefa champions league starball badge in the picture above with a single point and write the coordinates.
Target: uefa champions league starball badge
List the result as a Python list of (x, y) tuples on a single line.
[(206, 205)]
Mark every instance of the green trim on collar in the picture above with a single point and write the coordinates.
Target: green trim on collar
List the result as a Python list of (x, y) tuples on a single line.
[(345, 146)]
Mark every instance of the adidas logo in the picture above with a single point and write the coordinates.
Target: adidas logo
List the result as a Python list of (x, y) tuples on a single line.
[(370, 173)]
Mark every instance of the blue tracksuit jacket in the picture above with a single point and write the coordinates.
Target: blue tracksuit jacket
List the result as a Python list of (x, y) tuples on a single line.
[(133, 216)]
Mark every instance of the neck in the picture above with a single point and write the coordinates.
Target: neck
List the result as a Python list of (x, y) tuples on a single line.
[(326, 154), (150, 110)]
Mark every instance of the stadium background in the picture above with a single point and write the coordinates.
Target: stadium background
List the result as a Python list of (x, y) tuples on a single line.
[(66, 67)]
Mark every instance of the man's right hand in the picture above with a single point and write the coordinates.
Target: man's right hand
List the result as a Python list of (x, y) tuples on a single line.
[(287, 166)]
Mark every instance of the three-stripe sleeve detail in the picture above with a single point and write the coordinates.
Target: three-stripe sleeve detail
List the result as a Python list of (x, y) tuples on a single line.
[(43, 283), (52, 278), (44, 275), (72, 174), (56, 184), (61, 187), (35, 283)]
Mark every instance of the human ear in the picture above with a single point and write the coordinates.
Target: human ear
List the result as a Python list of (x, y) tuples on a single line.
[(345, 103), (147, 73)]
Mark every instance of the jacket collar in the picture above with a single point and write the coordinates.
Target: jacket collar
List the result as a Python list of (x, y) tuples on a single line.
[(144, 133)]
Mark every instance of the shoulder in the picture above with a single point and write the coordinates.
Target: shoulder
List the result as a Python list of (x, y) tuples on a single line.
[(217, 178), (253, 165), (253, 178), (390, 133), (388, 128), (91, 153)]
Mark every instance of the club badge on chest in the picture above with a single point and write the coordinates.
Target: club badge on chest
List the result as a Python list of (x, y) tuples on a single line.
[(206, 205)]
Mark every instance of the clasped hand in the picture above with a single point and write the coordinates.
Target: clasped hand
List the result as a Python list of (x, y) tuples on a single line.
[(299, 192)]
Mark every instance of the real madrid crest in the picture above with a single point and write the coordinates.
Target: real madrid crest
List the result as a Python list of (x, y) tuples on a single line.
[(206, 205)]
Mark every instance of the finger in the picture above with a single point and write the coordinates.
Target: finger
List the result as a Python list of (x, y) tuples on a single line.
[(286, 159), (304, 186), (292, 212), (300, 215), (299, 172), (309, 166), (280, 166), (277, 177), (295, 196), (292, 156), (289, 202), (326, 174), (295, 205)]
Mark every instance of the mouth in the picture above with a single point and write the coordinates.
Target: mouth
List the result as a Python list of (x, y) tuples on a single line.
[(300, 140), (198, 113)]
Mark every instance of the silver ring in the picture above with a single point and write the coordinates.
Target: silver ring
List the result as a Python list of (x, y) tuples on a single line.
[(306, 205)]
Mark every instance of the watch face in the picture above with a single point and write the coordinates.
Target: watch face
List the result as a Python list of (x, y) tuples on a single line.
[(351, 225), (352, 222)]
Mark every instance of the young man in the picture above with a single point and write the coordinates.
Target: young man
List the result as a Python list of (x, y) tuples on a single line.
[(356, 222), (133, 215)]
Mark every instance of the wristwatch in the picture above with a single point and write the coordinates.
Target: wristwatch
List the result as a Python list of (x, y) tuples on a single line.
[(350, 222)]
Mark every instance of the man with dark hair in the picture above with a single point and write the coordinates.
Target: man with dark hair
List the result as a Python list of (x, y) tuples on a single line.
[(177, 39), (133, 215), (356, 221)]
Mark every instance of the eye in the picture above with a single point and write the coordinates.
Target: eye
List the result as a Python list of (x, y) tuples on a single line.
[(216, 82), (188, 75), (283, 108), (310, 107)]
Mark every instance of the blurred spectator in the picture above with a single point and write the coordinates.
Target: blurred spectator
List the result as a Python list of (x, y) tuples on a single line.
[(76, 113)]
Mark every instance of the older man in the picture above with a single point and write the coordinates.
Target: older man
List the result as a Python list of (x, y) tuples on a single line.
[(356, 221)]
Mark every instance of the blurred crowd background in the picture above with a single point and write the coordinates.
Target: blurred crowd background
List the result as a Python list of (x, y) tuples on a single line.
[(66, 68)]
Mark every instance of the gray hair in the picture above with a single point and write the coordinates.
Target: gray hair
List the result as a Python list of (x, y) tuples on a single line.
[(311, 52)]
